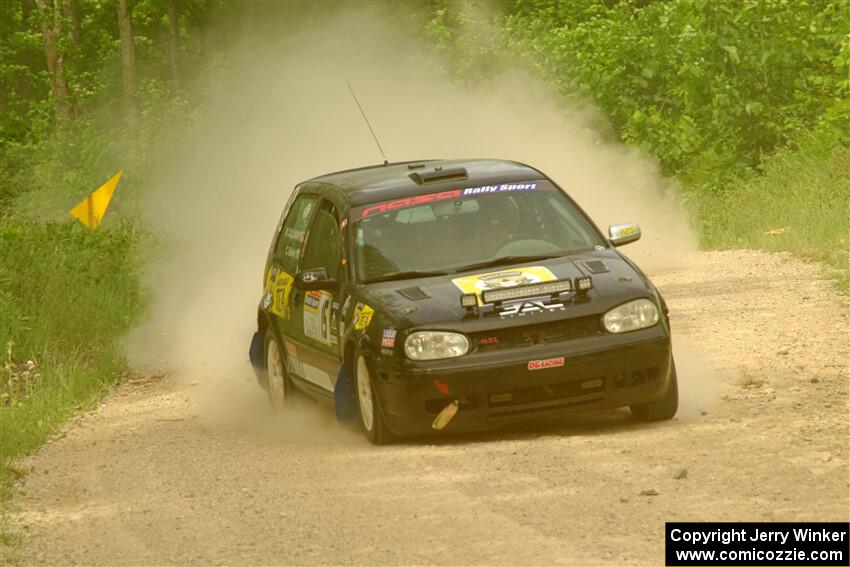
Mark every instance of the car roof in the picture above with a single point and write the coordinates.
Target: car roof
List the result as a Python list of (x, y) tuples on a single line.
[(393, 180)]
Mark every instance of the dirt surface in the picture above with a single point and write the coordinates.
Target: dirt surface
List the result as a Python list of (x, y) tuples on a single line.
[(168, 472)]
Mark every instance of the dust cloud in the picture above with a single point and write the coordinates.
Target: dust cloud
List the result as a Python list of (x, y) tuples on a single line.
[(283, 115), (701, 380)]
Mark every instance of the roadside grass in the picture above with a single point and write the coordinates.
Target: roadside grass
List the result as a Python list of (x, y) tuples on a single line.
[(799, 204), (67, 296), (43, 398)]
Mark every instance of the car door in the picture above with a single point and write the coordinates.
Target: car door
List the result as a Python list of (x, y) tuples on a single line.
[(316, 312), (279, 299)]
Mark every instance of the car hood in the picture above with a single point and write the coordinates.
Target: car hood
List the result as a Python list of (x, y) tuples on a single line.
[(434, 302)]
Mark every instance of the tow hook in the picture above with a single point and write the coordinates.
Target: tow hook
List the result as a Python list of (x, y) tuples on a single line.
[(444, 417)]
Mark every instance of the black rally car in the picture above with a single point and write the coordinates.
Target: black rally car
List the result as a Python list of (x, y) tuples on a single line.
[(456, 295)]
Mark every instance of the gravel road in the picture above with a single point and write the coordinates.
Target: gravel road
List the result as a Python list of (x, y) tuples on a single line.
[(169, 471)]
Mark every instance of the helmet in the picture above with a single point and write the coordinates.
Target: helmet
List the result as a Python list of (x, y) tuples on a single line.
[(499, 217)]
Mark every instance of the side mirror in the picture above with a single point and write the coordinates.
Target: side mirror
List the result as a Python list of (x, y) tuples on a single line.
[(620, 234), (310, 280)]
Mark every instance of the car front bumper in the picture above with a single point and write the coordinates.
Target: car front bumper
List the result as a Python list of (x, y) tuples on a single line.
[(497, 388)]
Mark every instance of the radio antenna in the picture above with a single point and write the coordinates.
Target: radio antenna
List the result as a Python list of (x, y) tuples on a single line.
[(366, 118)]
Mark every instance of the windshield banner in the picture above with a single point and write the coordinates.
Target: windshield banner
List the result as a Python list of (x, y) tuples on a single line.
[(388, 206)]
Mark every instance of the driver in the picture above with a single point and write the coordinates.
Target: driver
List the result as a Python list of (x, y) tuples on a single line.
[(498, 222)]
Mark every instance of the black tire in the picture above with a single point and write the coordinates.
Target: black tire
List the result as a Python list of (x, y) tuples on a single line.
[(663, 408), (279, 392), (371, 415)]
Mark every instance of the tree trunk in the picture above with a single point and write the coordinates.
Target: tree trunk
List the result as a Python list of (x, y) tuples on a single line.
[(62, 104), (73, 14), (26, 10), (249, 16), (128, 58), (174, 44), (208, 32)]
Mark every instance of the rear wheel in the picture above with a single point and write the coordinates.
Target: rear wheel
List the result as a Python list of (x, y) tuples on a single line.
[(663, 408), (279, 389), (371, 416)]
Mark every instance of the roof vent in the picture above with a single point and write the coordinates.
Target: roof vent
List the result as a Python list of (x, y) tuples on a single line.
[(413, 166), (456, 173)]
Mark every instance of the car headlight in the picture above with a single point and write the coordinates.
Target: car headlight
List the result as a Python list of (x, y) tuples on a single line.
[(631, 316), (432, 345)]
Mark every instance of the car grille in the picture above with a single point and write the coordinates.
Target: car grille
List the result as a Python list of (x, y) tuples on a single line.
[(549, 392), (522, 400), (514, 402), (540, 333)]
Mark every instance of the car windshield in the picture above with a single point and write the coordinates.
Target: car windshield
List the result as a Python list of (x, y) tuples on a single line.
[(460, 229)]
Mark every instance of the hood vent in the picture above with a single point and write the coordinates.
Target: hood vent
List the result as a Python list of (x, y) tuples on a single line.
[(596, 266), (413, 293)]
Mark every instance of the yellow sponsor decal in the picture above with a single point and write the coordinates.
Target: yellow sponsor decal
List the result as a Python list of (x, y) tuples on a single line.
[(362, 316), (276, 292), (503, 279), (628, 230)]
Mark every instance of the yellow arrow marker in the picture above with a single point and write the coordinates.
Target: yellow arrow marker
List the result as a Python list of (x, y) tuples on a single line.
[(90, 211)]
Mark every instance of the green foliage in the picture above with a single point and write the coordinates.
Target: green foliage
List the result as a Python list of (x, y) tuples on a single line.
[(67, 296), (462, 33), (44, 179), (706, 87), (72, 287), (721, 93), (799, 205), (46, 168), (23, 73)]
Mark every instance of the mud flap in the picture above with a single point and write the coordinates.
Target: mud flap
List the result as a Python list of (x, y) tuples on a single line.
[(257, 355), (255, 351), (345, 402)]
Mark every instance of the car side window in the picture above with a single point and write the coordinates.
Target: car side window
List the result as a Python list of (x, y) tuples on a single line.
[(323, 242), (293, 232)]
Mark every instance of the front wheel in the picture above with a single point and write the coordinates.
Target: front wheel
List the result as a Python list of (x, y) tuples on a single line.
[(371, 417), (279, 389), (663, 408)]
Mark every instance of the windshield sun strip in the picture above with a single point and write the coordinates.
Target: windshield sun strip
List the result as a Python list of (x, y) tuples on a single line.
[(381, 207)]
